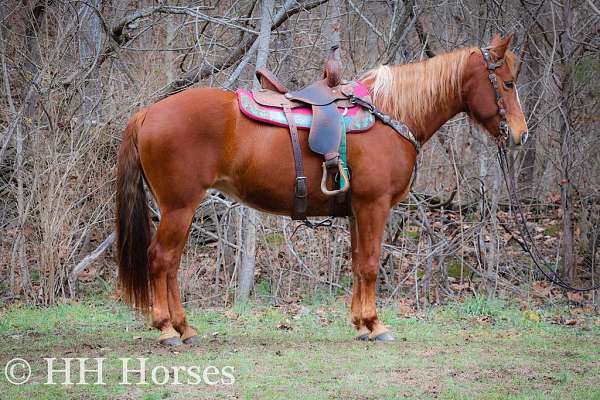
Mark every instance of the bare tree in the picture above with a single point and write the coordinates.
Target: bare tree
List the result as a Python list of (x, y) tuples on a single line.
[(247, 266), (66, 65)]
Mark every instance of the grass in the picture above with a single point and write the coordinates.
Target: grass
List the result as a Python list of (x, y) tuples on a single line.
[(479, 349)]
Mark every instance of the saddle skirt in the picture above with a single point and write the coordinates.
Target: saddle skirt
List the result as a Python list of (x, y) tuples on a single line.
[(267, 106)]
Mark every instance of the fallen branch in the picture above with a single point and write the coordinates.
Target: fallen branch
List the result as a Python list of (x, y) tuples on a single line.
[(87, 260)]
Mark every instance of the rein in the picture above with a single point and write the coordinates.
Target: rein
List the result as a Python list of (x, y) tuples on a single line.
[(516, 209), (524, 231)]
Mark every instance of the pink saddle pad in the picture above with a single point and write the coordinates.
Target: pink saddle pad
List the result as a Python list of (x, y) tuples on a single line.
[(356, 118)]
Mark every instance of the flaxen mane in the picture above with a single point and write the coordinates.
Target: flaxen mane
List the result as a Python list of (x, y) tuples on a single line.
[(410, 92)]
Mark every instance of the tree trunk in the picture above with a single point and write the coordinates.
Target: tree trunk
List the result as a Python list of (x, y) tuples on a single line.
[(333, 27), (22, 132), (526, 177), (568, 256), (246, 273), (90, 46)]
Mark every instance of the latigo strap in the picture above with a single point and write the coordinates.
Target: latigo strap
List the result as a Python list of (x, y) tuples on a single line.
[(300, 188)]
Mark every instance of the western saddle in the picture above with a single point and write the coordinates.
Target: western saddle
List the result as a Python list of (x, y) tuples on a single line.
[(327, 128), (325, 132)]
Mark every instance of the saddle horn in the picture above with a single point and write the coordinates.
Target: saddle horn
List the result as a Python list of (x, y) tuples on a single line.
[(333, 68)]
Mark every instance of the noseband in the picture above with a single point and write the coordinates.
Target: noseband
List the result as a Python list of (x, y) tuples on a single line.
[(491, 66)]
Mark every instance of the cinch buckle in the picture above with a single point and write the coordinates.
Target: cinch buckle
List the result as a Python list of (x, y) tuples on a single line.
[(301, 193)]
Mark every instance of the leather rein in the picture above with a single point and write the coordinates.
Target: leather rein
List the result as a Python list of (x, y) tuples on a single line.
[(516, 209)]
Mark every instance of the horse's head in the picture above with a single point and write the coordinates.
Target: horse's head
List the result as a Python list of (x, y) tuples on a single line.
[(490, 92)]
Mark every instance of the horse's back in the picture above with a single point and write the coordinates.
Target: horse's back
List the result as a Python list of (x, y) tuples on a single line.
[(195, 108)]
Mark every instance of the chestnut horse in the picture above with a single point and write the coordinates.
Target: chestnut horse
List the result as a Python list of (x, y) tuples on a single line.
[(198, 139)]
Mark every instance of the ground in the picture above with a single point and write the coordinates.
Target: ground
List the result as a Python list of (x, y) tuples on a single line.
[(478, 349)]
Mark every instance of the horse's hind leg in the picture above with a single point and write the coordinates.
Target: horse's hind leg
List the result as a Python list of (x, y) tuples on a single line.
[(165, 255), (178, 319), (370, 219)]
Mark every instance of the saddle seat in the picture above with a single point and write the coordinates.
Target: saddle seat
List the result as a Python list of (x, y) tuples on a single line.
[(326, 98)]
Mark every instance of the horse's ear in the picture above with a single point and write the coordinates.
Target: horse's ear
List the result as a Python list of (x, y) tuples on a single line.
[(499, 44), (495, 40)]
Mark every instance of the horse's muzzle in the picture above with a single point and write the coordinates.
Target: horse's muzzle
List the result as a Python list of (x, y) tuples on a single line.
[(522, 137)]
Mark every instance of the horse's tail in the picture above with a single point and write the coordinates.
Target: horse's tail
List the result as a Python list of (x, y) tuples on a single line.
[(133, 221)]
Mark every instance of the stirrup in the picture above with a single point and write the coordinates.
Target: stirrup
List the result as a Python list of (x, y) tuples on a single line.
[(344, 177)]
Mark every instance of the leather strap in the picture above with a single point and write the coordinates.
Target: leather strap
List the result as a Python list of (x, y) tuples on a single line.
[(301, 189), (491, 66), (269, 81), (398, 126)]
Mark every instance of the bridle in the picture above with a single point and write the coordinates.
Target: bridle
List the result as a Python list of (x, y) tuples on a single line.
[(492, 66), (516, 208)]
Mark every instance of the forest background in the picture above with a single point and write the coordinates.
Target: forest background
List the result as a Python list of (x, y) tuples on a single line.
[(72, 72)]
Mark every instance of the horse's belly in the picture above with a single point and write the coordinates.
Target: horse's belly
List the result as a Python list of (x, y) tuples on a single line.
[(254, 195), (271, 191)]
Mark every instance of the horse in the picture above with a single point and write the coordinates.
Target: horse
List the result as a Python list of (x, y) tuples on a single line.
[(198, 139)]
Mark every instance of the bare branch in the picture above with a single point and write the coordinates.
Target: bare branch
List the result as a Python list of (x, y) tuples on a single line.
[(87, 260), (199, 73)]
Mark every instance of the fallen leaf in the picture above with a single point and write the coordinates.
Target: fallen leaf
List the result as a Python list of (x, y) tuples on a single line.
[(575, 297), (532, 316), (458, 287), (230, 314), (285, 325), (560, 320), (406, 310), (465, 335), (541, 288)]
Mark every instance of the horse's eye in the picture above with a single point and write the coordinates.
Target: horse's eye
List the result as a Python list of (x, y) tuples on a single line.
[(509, 84)]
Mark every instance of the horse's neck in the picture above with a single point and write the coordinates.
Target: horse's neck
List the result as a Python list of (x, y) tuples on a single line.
[(437, 118), (422, 99)]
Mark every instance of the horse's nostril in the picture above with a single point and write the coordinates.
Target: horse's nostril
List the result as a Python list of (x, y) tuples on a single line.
[(524, 137)]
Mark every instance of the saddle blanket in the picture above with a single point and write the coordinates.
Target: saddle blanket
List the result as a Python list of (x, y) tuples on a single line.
[(356, 118)]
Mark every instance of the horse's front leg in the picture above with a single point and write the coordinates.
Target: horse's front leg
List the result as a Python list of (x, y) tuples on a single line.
[(362, 332), (370, 222)]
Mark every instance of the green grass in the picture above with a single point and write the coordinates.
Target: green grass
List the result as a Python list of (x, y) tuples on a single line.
[(552, 230), (478, 349)]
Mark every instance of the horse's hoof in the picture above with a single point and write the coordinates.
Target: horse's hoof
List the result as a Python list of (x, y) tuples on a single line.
[(384, 337), (362, 338), (192, 340), (171, 342)]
